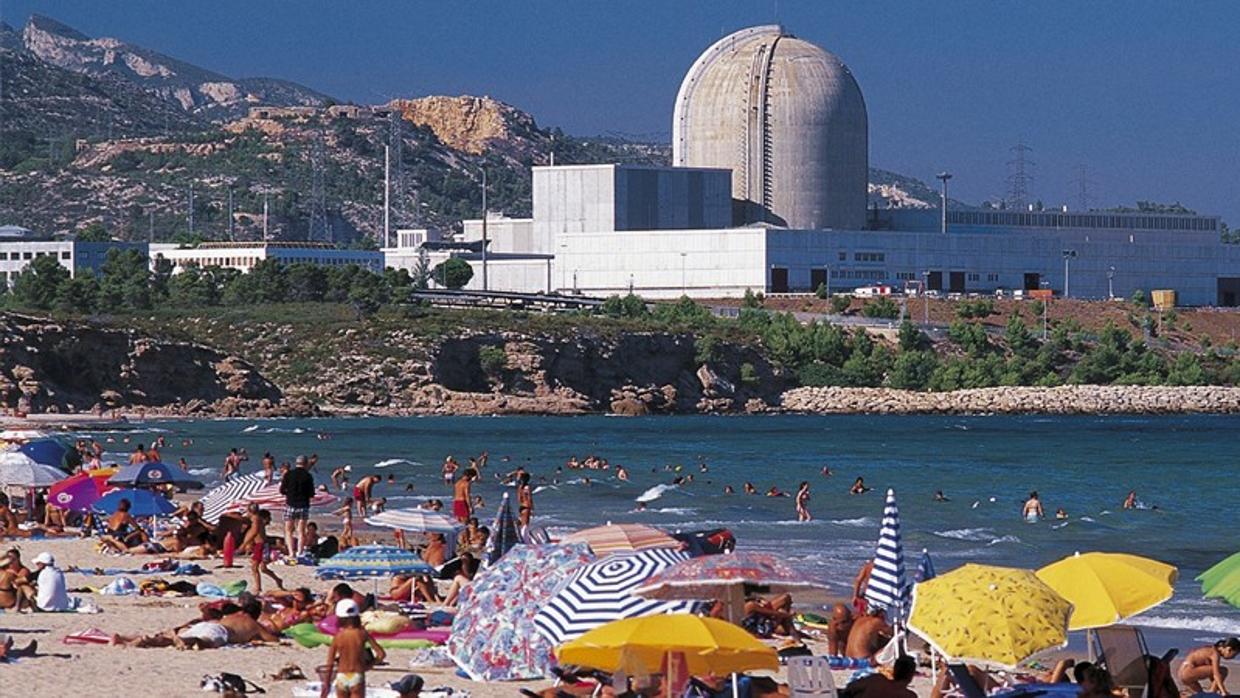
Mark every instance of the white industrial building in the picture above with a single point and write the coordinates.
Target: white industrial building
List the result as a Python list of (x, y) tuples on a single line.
[(21, 246), (242, 256), (770, 143)]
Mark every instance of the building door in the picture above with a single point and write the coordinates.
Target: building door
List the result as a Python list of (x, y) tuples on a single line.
[(1033, 282), (956, 282), (1228, 292), (817, 277), (779, 280), (934, 281)]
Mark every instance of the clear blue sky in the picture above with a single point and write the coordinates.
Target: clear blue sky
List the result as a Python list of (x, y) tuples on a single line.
[(1146, 95)]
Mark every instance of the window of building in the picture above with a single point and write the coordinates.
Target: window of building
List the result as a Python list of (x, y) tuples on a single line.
[(843, 256), (27, 255), (975, 277), (992, 277), (905, 276), (64, 255), (4, 255), (869, 256)]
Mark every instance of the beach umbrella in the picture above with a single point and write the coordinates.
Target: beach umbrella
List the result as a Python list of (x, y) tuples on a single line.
[(888, 587), (77, 492), (21, 435), (925, 568), (602, 591), (725, 577), (46, 451), (503, 532), (1107, 588), (710, 646), (618, 538), (269, 497), (372, 561), (414, 520), (493, 636), (20, 470), (151, 475), (215, 503), (1222, 581), (141, 503), (992, 616)]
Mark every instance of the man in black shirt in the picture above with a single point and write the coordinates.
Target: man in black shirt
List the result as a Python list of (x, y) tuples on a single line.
[(297, 486)]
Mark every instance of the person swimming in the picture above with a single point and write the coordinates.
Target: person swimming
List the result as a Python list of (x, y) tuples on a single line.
[(859, 487), (1061, 514), (940, 497), (1033, 511)]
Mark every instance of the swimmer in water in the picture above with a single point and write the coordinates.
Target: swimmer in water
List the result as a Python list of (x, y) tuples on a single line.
[(641, 506), (826, 472), (803, 502), (859, 487), (727, 489), (1061, 514), (1033, 511), (750, 489), (775, 492), (1130, 502), (940, 497)]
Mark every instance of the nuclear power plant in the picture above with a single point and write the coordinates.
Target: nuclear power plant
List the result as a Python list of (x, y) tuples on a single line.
[(768, 193)]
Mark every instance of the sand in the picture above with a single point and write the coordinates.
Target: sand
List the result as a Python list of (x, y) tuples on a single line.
[(98, 670)]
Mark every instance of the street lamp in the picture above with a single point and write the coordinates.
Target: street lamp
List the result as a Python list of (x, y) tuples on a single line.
[(943, 177), (1111, 283), (1067, 255), (1046, 309), (925, 292)]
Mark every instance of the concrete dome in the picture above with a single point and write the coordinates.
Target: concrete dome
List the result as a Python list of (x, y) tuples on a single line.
[(787, 118)]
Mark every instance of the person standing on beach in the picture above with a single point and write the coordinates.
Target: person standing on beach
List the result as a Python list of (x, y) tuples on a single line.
[(461, 495), (256, 540), (297, 486), (347, 656), (525, 496), (802, 501), (269, 467), (232, 464), (362, 491)]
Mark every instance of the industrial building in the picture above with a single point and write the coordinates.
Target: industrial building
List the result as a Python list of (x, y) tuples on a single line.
[(768, 193), (242, 256), (20, 246)]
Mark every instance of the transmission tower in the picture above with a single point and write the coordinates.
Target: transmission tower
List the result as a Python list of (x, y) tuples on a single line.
[(320, 231), (1019, 176), (396, 138), (1084, 187)]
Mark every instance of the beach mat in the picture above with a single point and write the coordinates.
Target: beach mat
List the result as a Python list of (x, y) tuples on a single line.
[(92, 636), (308, 636)]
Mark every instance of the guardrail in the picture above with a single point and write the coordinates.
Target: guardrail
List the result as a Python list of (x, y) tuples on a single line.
[(505, 299)]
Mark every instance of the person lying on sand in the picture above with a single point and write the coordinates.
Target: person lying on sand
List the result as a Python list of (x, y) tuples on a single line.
[(1205, 664), (414, 588), (769, 618), (212, 631), (297, 608), (7, 650)]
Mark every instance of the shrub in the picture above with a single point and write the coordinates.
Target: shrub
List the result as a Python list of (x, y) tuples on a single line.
[(749, 374), (881, 308), (840, 303), (983, 307), (705, 350), (453, 273), (1139, 298), (492, 359), (821, 291)]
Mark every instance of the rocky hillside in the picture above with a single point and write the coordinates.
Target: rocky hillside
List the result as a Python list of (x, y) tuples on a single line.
[(193, 89), (56, 367)]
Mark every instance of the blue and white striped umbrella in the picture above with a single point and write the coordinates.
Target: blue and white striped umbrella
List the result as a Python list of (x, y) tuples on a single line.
[(601, 592), (217, 502), (925, 568), (367, 561), (888, 587)]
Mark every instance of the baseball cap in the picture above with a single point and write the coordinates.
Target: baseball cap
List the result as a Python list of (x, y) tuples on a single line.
[(45, 558), (347, 609)]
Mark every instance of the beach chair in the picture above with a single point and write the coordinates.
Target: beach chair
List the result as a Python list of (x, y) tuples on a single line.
[(810, 677), (964, 681), (1122, 650)]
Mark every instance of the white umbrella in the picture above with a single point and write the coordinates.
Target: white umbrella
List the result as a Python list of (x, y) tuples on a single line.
[(20, 470)]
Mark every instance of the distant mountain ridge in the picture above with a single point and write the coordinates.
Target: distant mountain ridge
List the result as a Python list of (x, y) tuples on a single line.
[(196, 90)]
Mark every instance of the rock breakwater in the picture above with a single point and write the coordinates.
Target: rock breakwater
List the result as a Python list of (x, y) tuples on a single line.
[(1073, 399)]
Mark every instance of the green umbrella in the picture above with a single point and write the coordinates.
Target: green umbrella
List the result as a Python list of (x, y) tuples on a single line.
[(1222, 581)]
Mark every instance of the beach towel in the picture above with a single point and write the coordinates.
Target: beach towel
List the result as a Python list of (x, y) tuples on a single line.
[(92, 636), (121, 586), (308, 636), (227, 591)]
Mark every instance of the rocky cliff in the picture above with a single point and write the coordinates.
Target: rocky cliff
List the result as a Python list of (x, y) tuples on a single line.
[(476, 125), (56, 367)]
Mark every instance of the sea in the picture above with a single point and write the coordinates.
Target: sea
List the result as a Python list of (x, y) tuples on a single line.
[(1182, 467)]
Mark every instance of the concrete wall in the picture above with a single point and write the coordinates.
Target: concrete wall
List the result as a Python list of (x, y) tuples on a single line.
[(662, 263), (72, 255), (506, 234), (662, 198)]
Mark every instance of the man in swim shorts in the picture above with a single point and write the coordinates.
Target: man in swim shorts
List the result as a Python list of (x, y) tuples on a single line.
[(461, 508), (1033, 508)]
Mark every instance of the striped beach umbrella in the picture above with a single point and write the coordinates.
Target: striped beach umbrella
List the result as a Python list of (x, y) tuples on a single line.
[(602, 591), (269, 497), (617, 538), (216, 502), (888, 587), (414, 520), (367, 561), (503, 532), (925, 568)]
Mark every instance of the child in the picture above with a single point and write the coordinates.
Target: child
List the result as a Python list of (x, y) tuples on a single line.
[(347, 654), (346, 519), (256, 538)]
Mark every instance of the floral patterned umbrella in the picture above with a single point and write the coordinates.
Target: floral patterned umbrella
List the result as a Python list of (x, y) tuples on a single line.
[(493, 636)]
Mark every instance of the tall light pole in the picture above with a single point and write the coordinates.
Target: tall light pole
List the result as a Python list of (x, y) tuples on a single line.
[(1110, 283), (1067, 256), (387, 196), (1046, 307), (683, 284), (484, 229), (943, 177), (925, 292)]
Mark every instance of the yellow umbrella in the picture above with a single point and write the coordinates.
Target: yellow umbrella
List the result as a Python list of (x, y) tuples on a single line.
[(1106, 588), (993, 616), (710, 646)]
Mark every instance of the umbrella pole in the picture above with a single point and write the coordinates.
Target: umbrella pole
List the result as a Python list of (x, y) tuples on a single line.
[(736, 689)]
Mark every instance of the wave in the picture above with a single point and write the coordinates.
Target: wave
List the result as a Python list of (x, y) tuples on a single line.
[(679, 511), (251, 428), (1210, 624), (654, 493), (1003, 539), (201, 471), (972, 534), (394, 461), (254, 428), (859, 522)]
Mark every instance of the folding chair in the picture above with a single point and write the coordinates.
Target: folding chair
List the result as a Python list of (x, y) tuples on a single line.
[(1121, 649), (810, 677)]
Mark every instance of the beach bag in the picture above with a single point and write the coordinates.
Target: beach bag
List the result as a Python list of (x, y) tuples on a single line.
[(230, 683)]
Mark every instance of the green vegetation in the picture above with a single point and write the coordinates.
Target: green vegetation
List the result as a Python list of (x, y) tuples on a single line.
[(492, 359), (453, 273), (840, 303), (881, 308)]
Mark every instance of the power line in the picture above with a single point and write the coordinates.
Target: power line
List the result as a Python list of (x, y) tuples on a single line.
[(1019, 176)]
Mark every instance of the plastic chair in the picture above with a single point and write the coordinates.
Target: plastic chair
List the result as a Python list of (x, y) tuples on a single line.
[(810, 677), (1122, 650)]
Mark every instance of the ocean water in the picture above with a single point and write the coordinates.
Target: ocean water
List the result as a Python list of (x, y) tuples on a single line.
[(1183, 469)]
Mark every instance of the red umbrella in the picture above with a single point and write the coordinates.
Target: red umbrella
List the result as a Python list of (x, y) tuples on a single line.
[(77, 493)]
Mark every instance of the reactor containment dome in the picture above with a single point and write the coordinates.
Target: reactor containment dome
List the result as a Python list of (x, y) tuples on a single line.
[(788, 119)]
